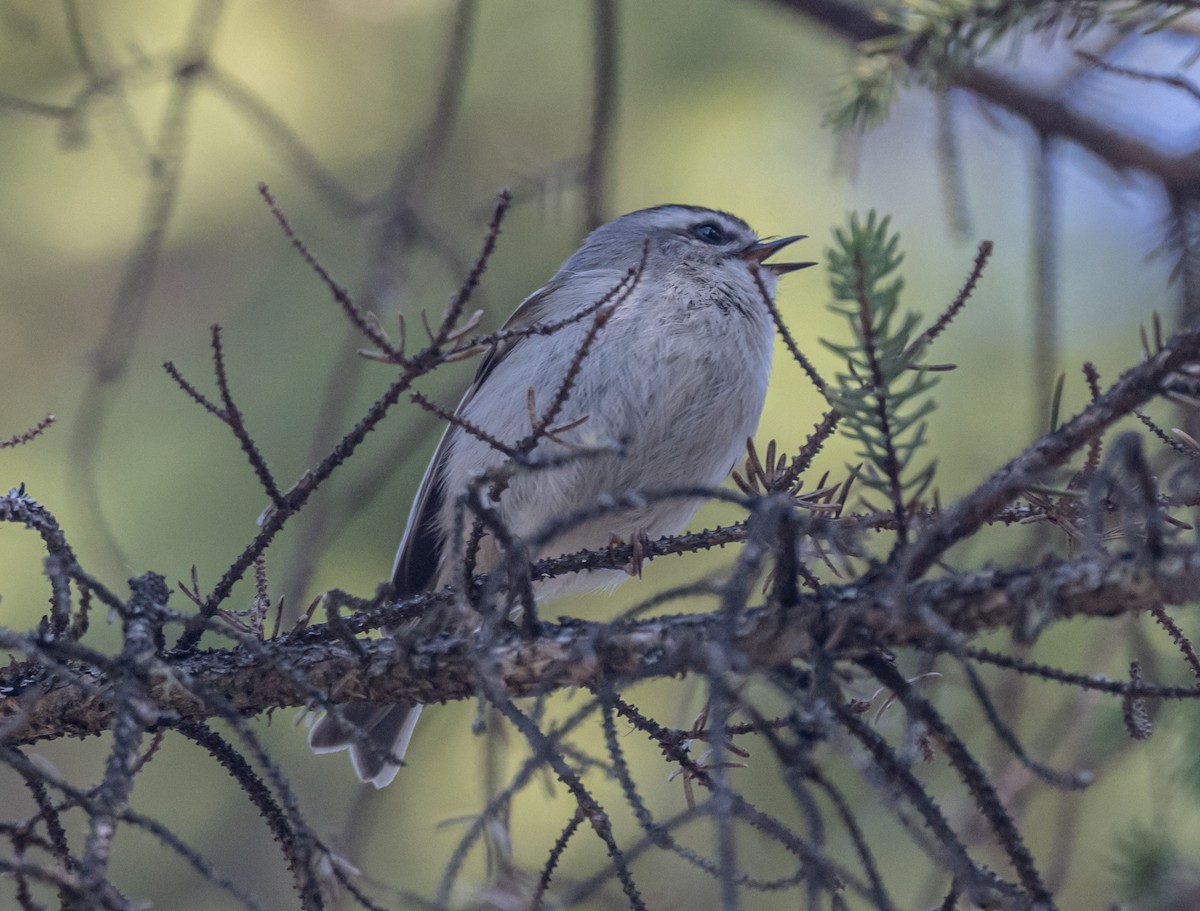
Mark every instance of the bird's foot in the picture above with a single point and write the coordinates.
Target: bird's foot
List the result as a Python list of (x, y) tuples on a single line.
[(639, 547)]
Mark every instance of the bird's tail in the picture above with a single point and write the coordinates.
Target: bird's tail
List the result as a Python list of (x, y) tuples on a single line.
[(386, 728)]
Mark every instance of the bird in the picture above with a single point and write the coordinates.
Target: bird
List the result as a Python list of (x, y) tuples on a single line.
[(671, 388)]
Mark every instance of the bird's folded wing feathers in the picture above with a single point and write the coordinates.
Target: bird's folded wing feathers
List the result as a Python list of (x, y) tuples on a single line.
[(419, 556)]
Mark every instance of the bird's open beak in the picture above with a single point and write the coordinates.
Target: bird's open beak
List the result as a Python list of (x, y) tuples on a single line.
[(756, 253)]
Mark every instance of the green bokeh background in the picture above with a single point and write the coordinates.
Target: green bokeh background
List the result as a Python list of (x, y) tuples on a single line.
[(720, 104)]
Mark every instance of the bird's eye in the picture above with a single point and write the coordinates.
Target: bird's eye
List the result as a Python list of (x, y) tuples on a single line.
[(709, 232)]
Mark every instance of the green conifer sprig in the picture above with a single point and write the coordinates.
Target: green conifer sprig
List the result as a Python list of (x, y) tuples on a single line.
[(929, 42), (882, 393)]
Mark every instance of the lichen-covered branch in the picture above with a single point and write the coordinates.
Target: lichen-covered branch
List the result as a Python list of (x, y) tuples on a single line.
[(844, 621)]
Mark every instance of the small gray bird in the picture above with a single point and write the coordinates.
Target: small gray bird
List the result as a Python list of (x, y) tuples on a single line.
[(677, 377)]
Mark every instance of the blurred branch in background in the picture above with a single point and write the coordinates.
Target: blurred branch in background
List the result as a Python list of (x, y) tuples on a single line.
[(163, 166), (959, 49), (402, 223), (859, 613)]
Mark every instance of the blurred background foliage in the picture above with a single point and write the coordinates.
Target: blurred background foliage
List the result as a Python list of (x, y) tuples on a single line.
[(717, 103)]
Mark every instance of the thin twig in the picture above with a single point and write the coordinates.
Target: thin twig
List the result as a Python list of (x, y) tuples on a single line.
[(31, 434)]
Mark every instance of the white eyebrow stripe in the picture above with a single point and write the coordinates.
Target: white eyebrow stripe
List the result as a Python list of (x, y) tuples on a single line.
[(679, 216)]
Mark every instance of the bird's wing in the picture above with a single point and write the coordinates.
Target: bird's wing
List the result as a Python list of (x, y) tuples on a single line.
[(419, 557)]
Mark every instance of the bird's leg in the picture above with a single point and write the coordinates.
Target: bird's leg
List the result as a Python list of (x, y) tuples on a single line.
[(639, 546)]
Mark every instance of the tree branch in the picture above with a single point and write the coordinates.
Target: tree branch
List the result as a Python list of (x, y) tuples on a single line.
[(844, 621)]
